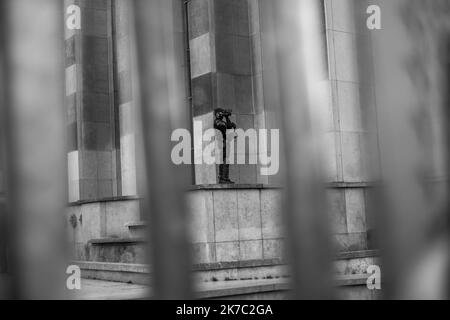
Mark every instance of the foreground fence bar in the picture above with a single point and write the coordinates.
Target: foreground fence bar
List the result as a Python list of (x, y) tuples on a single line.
[(33, 118), (162, 110), (3, 229), (411, 76), (298, 52)]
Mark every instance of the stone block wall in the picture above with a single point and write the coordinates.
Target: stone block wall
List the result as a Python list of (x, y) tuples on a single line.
[(90, 103), (99, 220), (347, 208), (245, 223), (227, 224), (231, 225)]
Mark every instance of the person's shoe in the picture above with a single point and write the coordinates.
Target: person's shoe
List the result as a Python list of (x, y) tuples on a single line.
[(226, 174)]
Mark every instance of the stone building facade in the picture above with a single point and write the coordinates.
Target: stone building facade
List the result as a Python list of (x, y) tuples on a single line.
[(226, 60)]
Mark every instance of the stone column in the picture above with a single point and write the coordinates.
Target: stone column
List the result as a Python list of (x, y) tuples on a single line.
[(348, 132), (266, 96), (221, 73), (90, 103), (125, 103), (128, 133)]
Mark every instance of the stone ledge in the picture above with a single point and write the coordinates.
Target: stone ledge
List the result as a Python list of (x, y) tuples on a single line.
[(105, 290), (351, 185), (232, 187), (113, 241), (102, 200), (238, 264), (351, 280), (245, 287), (330, 185), (142, 268), (143, 273), (137, 224), (240, 287), (117, 267), (357, 254)]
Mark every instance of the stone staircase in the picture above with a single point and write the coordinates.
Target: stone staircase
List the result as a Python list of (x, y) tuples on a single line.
[(123, 260)]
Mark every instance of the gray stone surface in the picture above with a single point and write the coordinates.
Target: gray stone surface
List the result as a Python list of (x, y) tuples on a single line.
[(347, 266), (348, 288), (249, 215), (226, 216)]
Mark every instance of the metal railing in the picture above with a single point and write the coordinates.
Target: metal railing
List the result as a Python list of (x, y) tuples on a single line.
[(32, 116)]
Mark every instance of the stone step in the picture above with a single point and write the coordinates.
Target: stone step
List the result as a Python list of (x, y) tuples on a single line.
[(346, 264), (350, 287), (116, 272), (209, 272), (137, 229), (355, 262), (132, 250), (120, 250), (247, 289)]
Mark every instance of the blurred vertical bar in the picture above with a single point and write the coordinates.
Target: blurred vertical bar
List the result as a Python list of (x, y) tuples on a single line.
[(163, 110), (3, 251), (447, 129), (33, 118), (299, 56), (411, 97)]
